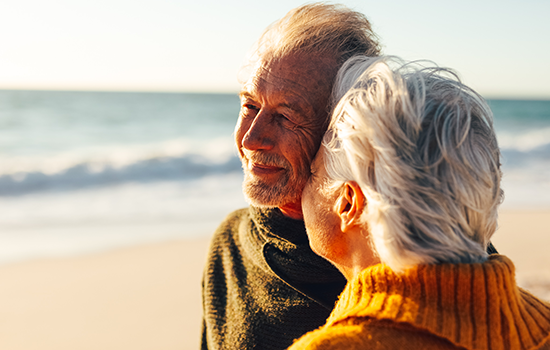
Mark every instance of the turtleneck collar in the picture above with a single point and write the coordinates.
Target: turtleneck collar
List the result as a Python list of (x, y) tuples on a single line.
[(476, 306), (272, 224), (280, 244)]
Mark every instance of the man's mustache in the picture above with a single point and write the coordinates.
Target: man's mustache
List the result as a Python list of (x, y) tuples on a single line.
[(268, 159)]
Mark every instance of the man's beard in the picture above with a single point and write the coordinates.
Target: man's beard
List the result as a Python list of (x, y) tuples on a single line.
[(287, 189)]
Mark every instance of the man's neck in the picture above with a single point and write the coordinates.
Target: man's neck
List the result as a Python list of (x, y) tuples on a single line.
[(292, 210)]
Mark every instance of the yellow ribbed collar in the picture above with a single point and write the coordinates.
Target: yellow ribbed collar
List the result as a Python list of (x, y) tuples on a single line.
[(476, 306)]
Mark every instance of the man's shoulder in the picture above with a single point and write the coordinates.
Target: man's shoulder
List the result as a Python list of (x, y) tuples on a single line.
[(227, 230), (238, 215), (233, 220)]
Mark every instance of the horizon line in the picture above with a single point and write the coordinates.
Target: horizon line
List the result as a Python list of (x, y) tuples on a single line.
[(231, 92)]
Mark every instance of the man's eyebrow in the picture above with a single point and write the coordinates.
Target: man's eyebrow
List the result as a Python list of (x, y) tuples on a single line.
[(293, 106), (246, 94)]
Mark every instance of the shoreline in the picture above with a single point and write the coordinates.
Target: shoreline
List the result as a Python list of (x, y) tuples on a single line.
[(148, 296)]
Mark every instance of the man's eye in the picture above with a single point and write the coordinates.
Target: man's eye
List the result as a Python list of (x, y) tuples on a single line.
[(251, 107), (286, 121), (249, 110), (283, 118)]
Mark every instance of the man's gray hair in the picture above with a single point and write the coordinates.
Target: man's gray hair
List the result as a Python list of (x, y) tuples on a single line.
[(318, 28), (422, 147)]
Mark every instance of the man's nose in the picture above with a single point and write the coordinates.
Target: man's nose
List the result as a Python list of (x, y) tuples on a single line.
[(259, 135)]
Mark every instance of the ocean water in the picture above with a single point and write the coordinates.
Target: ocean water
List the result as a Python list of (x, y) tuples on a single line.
[(86, 171)]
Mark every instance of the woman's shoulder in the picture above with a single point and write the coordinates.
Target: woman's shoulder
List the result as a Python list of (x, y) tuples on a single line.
[(366, 333)]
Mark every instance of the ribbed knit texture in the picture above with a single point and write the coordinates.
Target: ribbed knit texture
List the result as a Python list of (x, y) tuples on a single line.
[(446, 306), (263, 287)]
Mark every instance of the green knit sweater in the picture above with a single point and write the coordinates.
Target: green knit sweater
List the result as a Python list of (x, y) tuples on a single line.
[(263, 287)]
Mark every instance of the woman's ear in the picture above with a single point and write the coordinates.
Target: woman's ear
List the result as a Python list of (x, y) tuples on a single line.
[(349, 205)]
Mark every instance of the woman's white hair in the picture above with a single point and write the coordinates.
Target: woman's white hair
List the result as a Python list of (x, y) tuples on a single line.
[(422, 147)]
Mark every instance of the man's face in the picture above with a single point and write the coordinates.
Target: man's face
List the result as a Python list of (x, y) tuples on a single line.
[(283, 110)]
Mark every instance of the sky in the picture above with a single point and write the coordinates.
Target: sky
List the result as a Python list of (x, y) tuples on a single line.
[(500, 48)]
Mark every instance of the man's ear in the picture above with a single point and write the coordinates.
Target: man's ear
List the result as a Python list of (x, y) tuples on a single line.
[(349, 205)]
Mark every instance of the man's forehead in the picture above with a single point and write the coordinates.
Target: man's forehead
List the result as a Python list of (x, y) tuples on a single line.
[(271, 77), (265, 84), (301, 70), (299, 79)]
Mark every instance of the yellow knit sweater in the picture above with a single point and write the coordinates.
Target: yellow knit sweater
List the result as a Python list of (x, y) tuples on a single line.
[(446, 306)]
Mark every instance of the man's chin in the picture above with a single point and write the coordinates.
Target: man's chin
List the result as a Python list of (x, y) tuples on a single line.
[(259, 198), (265, 196)]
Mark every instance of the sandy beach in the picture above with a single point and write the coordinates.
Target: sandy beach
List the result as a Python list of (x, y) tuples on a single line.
[(143, 297), (148, 297)]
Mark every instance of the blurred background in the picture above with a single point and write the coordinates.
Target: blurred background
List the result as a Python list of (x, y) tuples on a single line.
[(116, 116)]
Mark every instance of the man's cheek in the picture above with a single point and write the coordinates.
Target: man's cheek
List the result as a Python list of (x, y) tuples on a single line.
[(240, 131)]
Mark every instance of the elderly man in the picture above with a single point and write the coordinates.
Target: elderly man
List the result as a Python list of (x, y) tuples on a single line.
[(263, 287)]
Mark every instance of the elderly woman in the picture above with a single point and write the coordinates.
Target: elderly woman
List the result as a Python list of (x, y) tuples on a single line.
[(403, 199)]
